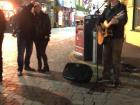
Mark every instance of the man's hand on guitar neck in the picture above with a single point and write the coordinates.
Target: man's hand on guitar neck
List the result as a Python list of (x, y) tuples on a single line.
[(108, 24), (114, 21)]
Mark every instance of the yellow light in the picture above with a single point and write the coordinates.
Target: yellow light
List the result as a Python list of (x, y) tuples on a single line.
[(8, 8), (5, 5)]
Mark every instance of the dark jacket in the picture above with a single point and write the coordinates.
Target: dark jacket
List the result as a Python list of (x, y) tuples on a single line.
[(116, 29), (2, 23), (24, 22), (43, 25)]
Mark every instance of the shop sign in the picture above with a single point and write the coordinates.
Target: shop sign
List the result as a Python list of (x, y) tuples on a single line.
[(85, 1)]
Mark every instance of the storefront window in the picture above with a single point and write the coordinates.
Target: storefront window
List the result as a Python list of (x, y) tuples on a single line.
[(8, 9), (137, 15)]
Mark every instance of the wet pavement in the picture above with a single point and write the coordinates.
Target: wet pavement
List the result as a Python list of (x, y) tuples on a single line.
[(35, 88)]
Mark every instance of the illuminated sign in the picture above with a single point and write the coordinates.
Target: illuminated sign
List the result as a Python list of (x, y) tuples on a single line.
[(85, 1)]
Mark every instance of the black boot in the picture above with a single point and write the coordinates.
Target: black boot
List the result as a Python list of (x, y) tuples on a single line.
[(45, 69), (39, 66), (46, 66), (0, 77), (28, 68), (19, 73)]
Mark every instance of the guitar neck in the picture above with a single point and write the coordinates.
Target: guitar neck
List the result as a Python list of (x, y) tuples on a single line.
[(119, 15)]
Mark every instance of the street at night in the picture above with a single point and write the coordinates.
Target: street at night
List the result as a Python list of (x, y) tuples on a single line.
[(35, 88), (81, 70)]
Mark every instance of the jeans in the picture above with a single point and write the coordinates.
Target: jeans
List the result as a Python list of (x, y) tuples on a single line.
[(24, 44), (41, 45), (112, 57), (1, 61)]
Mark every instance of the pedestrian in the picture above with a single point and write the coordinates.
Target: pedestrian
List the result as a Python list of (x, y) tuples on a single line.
[(114, 18), (14, 22), (42, 36), (2, 29), (24, 29)]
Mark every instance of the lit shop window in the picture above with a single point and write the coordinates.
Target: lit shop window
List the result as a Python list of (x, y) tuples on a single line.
[(8, 9)]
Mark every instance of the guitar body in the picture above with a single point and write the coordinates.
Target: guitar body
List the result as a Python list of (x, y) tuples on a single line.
[(100, 37), (103, 29), (100, 34)]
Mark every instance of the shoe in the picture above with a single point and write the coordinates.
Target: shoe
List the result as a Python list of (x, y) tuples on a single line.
[(117, 84), (106, 78), (43, 71), (0, 79), (39, 70), (46, 69), (19, 73), (28, 68)]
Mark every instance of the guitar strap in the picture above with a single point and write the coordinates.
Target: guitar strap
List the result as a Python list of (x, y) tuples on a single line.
[(105, 34), (111, 12)]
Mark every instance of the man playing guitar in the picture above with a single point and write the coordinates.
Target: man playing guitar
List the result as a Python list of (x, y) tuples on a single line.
[(114, 39)]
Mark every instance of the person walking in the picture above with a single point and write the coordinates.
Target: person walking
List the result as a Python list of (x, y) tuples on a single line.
[(114, 18), (42, 36), (2, 29)]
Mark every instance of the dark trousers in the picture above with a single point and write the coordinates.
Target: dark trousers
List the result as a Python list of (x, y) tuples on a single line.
[(24, 44), (1, 61), (111, 58), (41, 45)]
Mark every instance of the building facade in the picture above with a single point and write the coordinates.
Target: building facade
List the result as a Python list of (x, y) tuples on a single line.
[(65, 13), (136, 11)]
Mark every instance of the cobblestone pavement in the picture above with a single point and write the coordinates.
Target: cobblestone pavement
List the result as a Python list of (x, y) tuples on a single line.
[(34, 88)]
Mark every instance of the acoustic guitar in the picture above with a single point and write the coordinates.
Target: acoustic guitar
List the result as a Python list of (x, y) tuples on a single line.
[(103, 31)]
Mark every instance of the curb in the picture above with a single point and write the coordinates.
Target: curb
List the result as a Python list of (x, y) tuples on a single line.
[(128, 79)]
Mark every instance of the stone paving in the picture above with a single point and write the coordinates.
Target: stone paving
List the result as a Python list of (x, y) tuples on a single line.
[(34, 88)]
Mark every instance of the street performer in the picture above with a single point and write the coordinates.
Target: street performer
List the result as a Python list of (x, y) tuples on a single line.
[(113, 19)]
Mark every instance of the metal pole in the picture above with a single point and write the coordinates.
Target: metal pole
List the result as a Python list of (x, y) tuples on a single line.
[(134, 10), (94, 59)]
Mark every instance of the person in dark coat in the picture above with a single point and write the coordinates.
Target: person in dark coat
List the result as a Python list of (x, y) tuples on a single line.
[(2, 29), (42, 36), (24, 29), (114, 18)]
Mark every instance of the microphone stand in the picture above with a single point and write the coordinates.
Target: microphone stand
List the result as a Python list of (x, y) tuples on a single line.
[(98, 83), (98, 10)]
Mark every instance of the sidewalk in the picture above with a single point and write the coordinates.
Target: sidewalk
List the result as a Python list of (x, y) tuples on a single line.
[(128, 78), (130, 54), (35, 88)]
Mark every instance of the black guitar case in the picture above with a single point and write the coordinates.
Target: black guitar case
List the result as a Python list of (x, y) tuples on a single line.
[(77, 72)]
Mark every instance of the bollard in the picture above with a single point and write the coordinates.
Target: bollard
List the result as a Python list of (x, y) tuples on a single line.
[(94, 59)]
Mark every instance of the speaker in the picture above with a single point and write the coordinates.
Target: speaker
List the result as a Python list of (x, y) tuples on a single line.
[(89, 27), (77, 72), (90, 23)]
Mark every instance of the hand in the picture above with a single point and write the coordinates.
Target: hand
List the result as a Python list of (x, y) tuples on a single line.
[(32, 1), (47, 37), (14, 35), (114, 21), (106, 24), (33, 11)]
